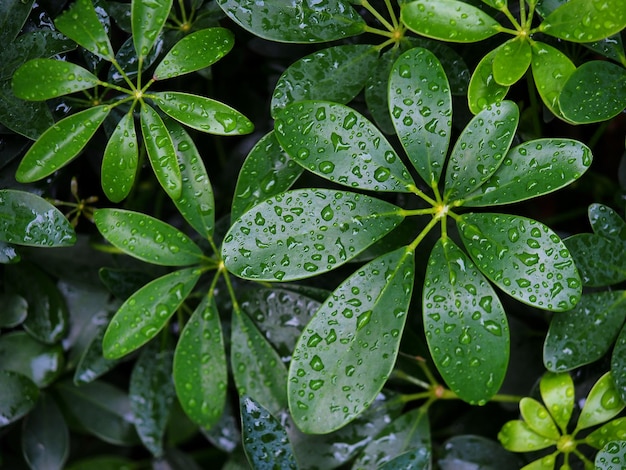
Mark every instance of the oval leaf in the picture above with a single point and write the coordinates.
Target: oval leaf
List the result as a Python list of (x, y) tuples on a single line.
[(511, 61), (538, 419), (347, 351), (517, 436), (305, 232), (601, 261), (606, 222), (120, 160), (14, 310), (612, 431), (339, 144), (42, 79), (147, 19), (557, 393), (19, 396), (483, 89), (41, 363), (602, 404)]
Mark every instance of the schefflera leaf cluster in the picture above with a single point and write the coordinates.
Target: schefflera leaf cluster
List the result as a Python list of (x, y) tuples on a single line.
[(348, 349)]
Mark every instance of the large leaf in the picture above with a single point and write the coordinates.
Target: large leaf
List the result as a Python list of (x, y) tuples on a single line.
[(483, 89), (602, 404), (347, 351), (41, 363), (42, 79), (14, 310), (148, 18), (19, 396), (120, 160), (601, 261), (339, 144), (524, 258), (465, 323), (305, 232), (421, 109), (511, 61)]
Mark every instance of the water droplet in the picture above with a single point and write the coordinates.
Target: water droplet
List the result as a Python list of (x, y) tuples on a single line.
[(363, 319), (327, 213)]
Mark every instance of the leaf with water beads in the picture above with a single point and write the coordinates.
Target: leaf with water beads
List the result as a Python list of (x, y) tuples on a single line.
[(42, 79), (377, 90), (523, 257), (348, 349), (601, 261), (147, 311), (606, 222), (339, 144), (466, 328), (483, 89), (610, 454), (618, 363), (511, 61), (305, 232), (602, 403), (147, 238), (517, 436), (120, 160), (538, 419), (19, 396), (557, 393), (147, 19), (614, 430)]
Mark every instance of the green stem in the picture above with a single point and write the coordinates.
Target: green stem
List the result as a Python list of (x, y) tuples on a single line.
[(382, 45), (118, 67), (511, 18), (426, 370), (411, 212), (381, 32), (183, 13), (400, 374), (229, 285), (377, 15), (522, 12), (419, 193), (116, 88), (597, 134), (416, 396), (392, 14), (502, 29), (423, 234)]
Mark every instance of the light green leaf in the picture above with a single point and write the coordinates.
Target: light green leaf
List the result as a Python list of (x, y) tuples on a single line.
[(511, 61), (147, 238), (547, 462), (611, 454), (60, 144), (120, 160), (600, 261), (194, 52), (421, 110), (339, 144), (483, 89), (557, 393), (614, 430), (538, 419), (147, 19), (603, 403), (203, 114), (465, 323), (147, 311), (305, 232), (347, 351), (517, 436), (19, 396), (606, 222), (448, 20)]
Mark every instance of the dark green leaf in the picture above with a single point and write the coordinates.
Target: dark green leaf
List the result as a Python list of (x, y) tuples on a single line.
[(612, 431), (612, 454), (517, 436), (120, 160), (557, 393), (483, 89), (122, 283), (465, 452), (606, 222), (14, 310), (618, 363), (92, 363), (305, 232), (28, 118), (511, 61), (611, 47), (19, 396), (376, 90), (147, 19), (41, 363), (128, 61), (416, 459), (601, 261), (602, 404), (13, 15)]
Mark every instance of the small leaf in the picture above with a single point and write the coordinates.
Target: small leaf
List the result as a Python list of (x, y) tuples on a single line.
[(14, 310), (347, 351), (305, 232), (147, 311), (483, 89), (611, 454), (517, 436), (120, 160), (538, 419), (203, 114), (612, 431), (19, 396), (601, 261), (339, 144), (606, 222), (147, 19), (147, 238), (511, 61), (602, 404), (557, 393), (524, 258), (448, 20), (184, 56), (60, 144), (41, 363), (465, 323)]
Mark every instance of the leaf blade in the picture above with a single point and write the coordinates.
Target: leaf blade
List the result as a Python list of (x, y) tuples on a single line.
[(120, 160), (147, 20), (42, 79)]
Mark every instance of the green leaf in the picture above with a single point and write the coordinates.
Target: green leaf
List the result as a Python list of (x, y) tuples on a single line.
[(611, 454), (600, 261), (299, 21), (80, 23), (60, 144), (147, 238), (421, 109), (203, 114), (14, 310), (618, 361), (27, 219), (28, 118), (524, 258), (483, 89), (511, 61), (265, 440), (377, 90), (305, 232), (612, 431), (19, 396), (336, 74), (448, 20), (147, 311), (611, 47), (517, 436), (594, 92), (339, 144), (161, 151), (585, 333), (557, 393), (120, 160), (266, 172), (127, 59), (92, 363), (13, 15), (603, 403), (585, 21), (347, 351), (538, 419), (151, 393), (465, 323), (480, 149), (45, 437), (468, 451), (147, 19), (416, 459), (200, 373), (606, 222), (533, 169)]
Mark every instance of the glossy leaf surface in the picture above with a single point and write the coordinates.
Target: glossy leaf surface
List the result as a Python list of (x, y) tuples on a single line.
[(42, 79), (601, 261), (21, 353), (416, 459), (602, 404), (147, 238), (13, 14), (147, 19), (347, 351), (14, 310), (611, 431), (465, 323), (92, 363), (606, 222), (618, 363), (557, 393), (146, 312), (517, 436), (28, 118), (538, 419), (483, 89), (476, 451), (377, 90), (420, 105), (511, 61), (19, 396), (339, 144), (612, 453), (60, 144), (305, 232), (80, 23), (120, 160)]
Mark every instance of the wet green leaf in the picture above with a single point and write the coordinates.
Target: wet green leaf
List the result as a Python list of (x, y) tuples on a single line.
[(147, 311), (92, 363), (305, 232), (60, 144), (483, 89), (13, 15), (339, 144), (147, 19), (127, 59), (468, 451), (612, 454), (122, 283), (600, 261), (524, 258), (603, 403), (147, 238), (416, 459), (347, 351), (538, 419), (336, 74), (264, 439), (14, 310), (612, 431), (120, 160), (465, 323), (517, 436), (300, 21), (203, 114), (606, 222), (377, 90), (41, 363), (27, 219), (618, 361), (421, 109), (266, 171), (448, 20), (28, 118), (611, 47), (80, 23), (200, 373), (511, 61), (557, 393), (185, 57), (480, 149), (19, 396)]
